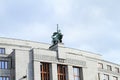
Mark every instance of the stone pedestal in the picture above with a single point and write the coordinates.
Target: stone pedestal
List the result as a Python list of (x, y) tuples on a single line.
[(60, 50)]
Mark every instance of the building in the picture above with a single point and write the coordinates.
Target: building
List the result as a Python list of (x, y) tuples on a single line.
[(27, 60)]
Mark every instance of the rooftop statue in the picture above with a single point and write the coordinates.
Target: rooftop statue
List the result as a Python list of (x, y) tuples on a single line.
[(57, 36)]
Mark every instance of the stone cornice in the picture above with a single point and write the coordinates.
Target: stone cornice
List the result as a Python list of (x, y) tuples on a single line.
[(109, 72), (53, 59)]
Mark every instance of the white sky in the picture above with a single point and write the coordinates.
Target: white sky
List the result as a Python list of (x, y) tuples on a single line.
[(91, 25)]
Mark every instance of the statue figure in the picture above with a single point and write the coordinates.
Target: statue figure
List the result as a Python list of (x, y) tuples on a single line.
[(57, 37)]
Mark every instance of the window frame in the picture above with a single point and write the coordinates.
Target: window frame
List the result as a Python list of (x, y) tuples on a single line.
[(4, 77), (62, 72), (2, 50), (106, 75), (114, 77), (76, 75), (117, 69), (45, 71), (3, 64), (100, 65), (109, 67)]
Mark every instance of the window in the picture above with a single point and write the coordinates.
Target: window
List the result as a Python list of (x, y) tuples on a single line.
[(3, 64), (45, 75), (100, 65), (116, 69), (109, 68), (62, 72), (76, 73), (4, 78), (115, 78), (106, 77), (2, 50)]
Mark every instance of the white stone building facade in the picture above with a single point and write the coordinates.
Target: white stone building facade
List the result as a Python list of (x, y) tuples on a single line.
[(28, 60)]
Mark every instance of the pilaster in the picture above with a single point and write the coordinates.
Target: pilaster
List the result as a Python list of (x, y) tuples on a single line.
[(70, 73), (37, 75), (54, 72)]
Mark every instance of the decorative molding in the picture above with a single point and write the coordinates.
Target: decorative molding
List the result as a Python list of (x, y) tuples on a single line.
[(109, 72), (5, 58), (61, 60), (46, 58), (4, 72), (15, 45), (76, 62)]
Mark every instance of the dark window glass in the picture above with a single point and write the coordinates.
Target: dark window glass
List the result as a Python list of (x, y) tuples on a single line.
[(45, 75), (2, 50)]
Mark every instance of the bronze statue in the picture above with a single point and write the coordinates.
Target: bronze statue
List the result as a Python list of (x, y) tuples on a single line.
[(57, 36)]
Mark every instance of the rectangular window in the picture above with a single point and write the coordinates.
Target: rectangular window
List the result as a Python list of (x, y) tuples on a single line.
[(3, 64), (76, 73), (100, 65), (115, 78), (109, 68), (4, 78), (45, 73), (62, 71), (2, 50), (106, 77), (116, 69)]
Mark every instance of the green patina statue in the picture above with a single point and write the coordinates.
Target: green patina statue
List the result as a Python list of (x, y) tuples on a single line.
[(57, 36)]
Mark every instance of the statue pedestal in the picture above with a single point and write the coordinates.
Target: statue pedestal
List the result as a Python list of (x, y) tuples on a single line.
[(54, 47), (60, 50)]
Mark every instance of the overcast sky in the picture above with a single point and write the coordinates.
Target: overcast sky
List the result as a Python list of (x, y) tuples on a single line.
[(91, 25)]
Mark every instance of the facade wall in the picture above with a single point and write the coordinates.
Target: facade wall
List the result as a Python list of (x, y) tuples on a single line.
[(25, 59), (105, 71), (5, 72), (21, 63)]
